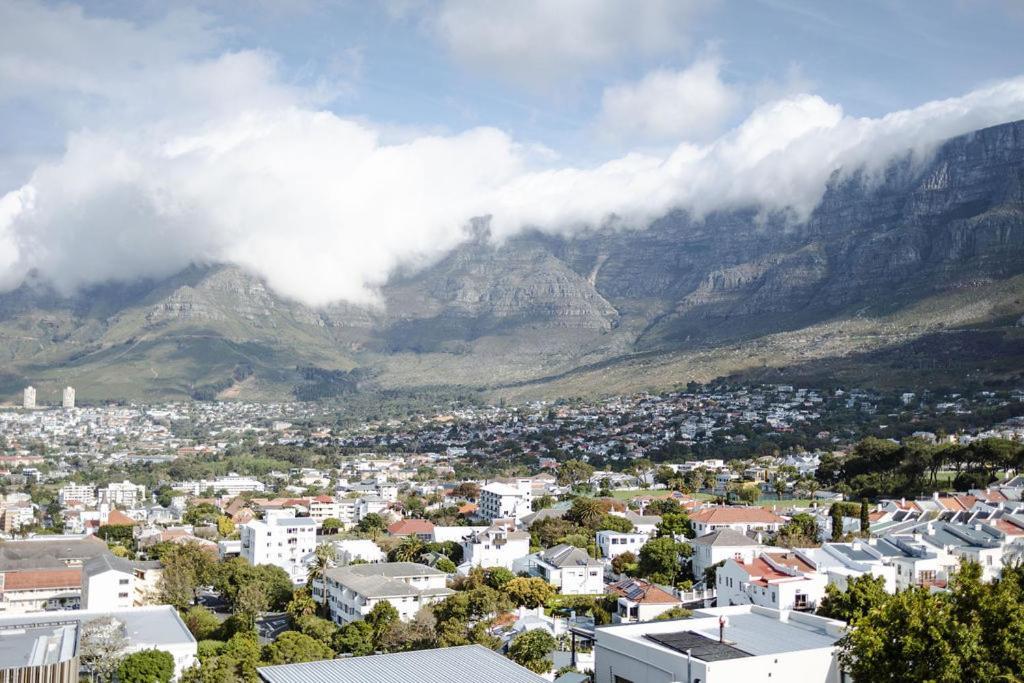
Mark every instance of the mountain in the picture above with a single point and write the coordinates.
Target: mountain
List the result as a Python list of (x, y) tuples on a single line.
[(915, 276)]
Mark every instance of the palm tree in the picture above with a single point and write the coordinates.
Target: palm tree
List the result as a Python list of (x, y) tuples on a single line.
[(586, 511), (408, 550), (324, 558)]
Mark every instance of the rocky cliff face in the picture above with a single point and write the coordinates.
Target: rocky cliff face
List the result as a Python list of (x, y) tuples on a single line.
[(539, 306)]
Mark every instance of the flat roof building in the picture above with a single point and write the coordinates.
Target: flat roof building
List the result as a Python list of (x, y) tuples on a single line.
[(756, 644)]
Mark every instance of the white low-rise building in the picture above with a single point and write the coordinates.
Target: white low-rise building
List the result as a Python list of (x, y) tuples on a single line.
[(351, 592), (499, 545), (357, 550), (614, 543), (123, 494), (280, 540), (640, 600), (782, 580), (721, 645), (569, 569), (721, 545)]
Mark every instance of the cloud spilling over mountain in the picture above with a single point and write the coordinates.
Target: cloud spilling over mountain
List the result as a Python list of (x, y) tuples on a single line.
[(235, 165)]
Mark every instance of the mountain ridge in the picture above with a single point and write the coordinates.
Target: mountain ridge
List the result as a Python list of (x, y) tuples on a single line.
[(894, 258)]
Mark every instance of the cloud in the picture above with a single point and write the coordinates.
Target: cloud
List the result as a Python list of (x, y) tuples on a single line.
[(692, 104), (538, 43), (208, 156)]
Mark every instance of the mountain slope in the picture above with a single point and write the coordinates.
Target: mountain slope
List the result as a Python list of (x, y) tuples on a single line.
[(887, 272)]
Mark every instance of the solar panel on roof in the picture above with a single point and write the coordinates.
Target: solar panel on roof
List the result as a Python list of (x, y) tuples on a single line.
[(704, 649)]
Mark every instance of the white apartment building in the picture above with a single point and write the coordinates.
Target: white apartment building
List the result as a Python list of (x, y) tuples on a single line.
[(499, 545), (29, 398), (83, 493), (614, 543), (569, 569), (124, 494), (350, 550), (352, 591), (110, 583), (725, 645), (232, 485), (68, 398), (280, 540), (326, 507), (368, 505), (741, 519), (501, 501)]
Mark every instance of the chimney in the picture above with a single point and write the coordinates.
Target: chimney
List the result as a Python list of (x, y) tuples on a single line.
[(935, 495)]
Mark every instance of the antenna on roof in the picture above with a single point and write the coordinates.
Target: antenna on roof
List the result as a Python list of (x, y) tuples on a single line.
[(723, 621)]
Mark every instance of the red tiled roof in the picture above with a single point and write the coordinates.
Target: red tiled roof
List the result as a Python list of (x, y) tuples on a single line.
[(41, 579), (407, 527), (957, 502), (118, 518), (791, 560), (725, 514), (759, 569), (468, 508), (1009, 528), (650, 594)]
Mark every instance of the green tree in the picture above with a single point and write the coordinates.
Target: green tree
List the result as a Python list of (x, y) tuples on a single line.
[(372, 524), (615, 523), (863, 594), (225, 527), (836, 515), (408, 550), (624, 563), (445, 565), (292, 647), (574, 472), (675, 524), (674, 613), (532, 650), (146, 666), (800, 531), (203, 513), (587, 512), (355, 638), (302, 604), (865, 516), (201, 622), (324, 557), (322, 630), (497, 577), (660, 559), (187, 568), (529, 592), (330, 526), (380, 618), (250, 602)]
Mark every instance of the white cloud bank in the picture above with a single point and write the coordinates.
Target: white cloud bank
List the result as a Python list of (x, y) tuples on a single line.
[(690, 104), (233, 166)]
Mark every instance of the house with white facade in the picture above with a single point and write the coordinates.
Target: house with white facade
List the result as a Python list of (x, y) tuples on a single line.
[(738, 518), (83, 493), (569, 569), (351, 592), (499, 545), (721, 545), (280, 540), (782, 580), (614, 543), (502, 501), (110, 583), (123, 494), (721, 645), (640, 600), (351, 550)]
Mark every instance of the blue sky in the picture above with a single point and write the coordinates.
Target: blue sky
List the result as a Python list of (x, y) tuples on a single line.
[(127, 127)]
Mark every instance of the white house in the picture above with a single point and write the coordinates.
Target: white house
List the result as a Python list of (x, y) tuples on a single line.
[(348, 551), (108, 583), (123, 494), (782, 580), (725, 645), (738, 518), (352, 591), (724, 544), (501, 501), (640, 600), (614, 543), (569, 569), (499, 545), (280, 540)]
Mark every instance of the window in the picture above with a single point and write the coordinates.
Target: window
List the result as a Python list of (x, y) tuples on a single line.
[(122, 595), (123, 582)]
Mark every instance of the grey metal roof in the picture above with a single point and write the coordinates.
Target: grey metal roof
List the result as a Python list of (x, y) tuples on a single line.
[(563, 555), (105, 563), (724, 537), (461, 664), (384, 580), (851, 553), (149, 626), (37, 645), (49, 554)]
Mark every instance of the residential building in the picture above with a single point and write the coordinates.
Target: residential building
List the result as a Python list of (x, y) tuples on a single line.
[(83, 493), (351, 592), (502, 501), (44, 572), (422, 529), (614, 543), (782, 580), (110, 583), (499, 545), (123, 494), (280, 540), (16, 514), (721, 545), (144, 628), (640, 600), (348, 551), (738, 518), (569, 569), (29, 398), (68, 398), (231, 485), (721, 645), (460, 664)]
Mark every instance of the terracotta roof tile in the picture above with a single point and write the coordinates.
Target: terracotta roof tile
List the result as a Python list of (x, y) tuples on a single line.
[(735, 515), (42, 578)]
